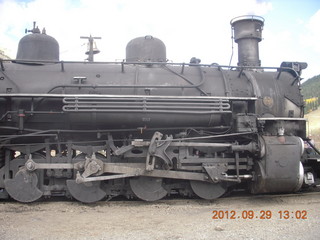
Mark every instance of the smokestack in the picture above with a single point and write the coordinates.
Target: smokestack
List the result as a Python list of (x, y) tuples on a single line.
[(247, 33)]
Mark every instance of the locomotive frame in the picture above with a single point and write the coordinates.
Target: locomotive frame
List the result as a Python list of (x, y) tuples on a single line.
[(147, 128)]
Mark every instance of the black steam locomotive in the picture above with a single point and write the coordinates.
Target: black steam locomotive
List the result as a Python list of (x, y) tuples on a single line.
[(148, 128)]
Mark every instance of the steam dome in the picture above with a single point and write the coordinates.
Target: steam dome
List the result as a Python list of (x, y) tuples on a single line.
[(146, 49), (38, 47)]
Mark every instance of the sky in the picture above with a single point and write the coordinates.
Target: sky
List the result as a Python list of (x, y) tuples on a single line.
[(188, 28)]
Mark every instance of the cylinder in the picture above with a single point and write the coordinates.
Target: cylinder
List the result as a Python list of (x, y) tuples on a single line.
[(247, 33)]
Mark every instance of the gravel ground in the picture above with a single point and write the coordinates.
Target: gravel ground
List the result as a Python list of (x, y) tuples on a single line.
[(165, 219)]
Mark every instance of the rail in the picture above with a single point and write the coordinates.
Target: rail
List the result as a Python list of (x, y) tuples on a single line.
[(148, 64), (57, 95)]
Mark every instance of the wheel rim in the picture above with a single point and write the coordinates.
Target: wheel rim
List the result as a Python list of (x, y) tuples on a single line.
[(208, 190), (148, 188)]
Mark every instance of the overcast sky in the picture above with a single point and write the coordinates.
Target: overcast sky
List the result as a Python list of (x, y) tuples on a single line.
[(197, 28)]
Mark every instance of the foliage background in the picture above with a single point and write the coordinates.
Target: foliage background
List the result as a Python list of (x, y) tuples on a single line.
[(311, 93)]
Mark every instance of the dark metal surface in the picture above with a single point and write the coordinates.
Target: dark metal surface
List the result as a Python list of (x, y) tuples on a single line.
[(146, 49), (86, 192), (148, 189), (145, 127), (279, 169), (248, 33), (207, 190), (23, 187), (37, 46)]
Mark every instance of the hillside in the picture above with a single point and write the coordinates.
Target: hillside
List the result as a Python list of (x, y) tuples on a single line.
[(313, 126), (311, 87), (311, 93)]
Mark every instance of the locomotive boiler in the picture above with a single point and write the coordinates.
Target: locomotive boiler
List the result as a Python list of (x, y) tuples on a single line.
[(149, 128)]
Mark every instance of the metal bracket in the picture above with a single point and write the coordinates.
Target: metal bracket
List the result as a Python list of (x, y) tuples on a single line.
[(158, 149), (118, 151), (216, 171), (93, 166), (79, 79)]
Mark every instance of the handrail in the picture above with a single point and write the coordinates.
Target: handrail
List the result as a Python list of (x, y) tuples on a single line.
[(144, 63)]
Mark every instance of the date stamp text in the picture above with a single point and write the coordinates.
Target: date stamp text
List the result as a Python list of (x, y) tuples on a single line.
[(260, 214)]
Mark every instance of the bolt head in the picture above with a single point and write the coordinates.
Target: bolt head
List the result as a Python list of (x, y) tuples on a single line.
[(30, 166)]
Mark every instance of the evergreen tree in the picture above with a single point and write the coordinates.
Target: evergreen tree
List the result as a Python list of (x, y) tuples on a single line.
[(311, 93)]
